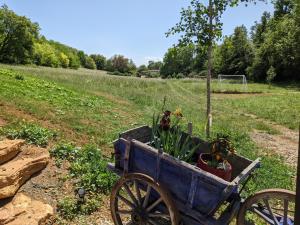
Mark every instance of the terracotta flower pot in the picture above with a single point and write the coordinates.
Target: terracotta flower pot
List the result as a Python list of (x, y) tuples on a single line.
[(202, 164)]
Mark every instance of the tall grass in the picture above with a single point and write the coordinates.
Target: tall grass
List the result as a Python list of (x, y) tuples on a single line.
[(99, 106)]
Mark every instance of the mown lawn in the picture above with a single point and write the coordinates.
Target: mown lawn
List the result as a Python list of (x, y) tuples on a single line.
[(90, 106)]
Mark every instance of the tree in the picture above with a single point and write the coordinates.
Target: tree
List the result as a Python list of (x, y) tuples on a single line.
[(100, 61), (152, 65), (279, 50), (178, 60), (17, 36), (89, 63), (259, 29), (45, 55), (119, 63), (242, 52), (131, 67), (74, 61), (283, 7), (82, 58), (201, 24)]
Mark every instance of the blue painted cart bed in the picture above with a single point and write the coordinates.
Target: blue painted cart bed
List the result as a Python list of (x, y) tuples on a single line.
[(198, 196)]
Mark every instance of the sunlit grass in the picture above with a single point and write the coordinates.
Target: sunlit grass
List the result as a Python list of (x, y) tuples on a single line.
[(99, 106)]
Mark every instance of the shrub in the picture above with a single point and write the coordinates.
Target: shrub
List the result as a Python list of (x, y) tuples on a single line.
[(69, 207), (32, 133), (180, 76), (89, 63), (271, 74), (64, 151), (64, 60), (100, 61), (88, 165)]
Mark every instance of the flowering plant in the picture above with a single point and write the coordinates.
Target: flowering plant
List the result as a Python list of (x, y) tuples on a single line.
[(221, 148), (168, 135)]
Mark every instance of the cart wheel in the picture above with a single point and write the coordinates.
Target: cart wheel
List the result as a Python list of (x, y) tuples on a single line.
[(136, 199), (273, 206)]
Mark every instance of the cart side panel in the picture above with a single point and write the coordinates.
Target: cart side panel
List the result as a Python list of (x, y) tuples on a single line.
[(179, 181), (175, 176), (142, 134)]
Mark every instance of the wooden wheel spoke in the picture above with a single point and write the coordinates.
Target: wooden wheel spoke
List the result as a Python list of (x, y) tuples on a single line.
[(146, 200), (126, 201), (266, 201), (159, 215), (124, 212), (262, 214), (154, 204), (152, 222), (274, 206), (285, 211), (129, 192), (138, 192), (136, 199)]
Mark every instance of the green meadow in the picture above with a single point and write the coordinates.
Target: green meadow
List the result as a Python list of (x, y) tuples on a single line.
[(85, 106)]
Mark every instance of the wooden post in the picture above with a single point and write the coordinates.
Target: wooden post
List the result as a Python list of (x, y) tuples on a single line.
[(209, 68), (297, 208), (190, 128)]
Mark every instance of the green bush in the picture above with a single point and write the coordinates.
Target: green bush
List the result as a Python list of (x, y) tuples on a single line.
[(32, 133), (89, 63), (69, 207), (88, 165), (64, 151)]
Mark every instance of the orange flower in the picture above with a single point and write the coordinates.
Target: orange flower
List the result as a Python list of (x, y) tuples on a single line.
[(178, 112), (218, 157)]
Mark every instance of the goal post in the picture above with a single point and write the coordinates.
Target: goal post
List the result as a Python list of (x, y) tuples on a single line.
[(233, 79)]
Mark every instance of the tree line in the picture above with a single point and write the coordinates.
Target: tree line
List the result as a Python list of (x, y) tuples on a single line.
[(22, 43), (270, 51)]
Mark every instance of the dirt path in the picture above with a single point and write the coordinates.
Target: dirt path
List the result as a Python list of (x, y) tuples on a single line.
[(284, 144)]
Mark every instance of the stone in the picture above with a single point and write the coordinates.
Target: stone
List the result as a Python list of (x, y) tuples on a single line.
[(23, 210), (15, 173), (9, 149)]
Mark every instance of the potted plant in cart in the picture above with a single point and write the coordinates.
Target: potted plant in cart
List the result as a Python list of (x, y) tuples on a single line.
[(216, 161)]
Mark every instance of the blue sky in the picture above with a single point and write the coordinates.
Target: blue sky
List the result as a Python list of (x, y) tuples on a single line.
[(134, 28)]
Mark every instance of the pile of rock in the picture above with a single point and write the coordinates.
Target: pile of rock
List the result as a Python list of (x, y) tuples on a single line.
[(17, 164)]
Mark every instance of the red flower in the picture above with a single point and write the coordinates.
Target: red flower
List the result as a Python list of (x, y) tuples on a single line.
[(165, 120)]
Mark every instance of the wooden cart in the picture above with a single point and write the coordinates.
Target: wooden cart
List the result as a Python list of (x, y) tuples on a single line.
[(156, 188)]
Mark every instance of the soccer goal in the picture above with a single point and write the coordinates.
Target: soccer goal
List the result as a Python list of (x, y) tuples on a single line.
[(232, 79)]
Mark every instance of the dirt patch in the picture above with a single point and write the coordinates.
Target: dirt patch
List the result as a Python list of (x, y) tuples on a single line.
[(2, 122), (69, 134), (284, 144), (237, 92)]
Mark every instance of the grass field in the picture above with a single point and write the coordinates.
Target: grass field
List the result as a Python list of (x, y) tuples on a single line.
[(90, 106)]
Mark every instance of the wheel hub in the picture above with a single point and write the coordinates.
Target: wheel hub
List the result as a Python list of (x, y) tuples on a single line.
[(139, 216)]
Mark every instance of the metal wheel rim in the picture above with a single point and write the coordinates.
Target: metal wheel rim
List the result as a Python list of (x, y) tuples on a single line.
[(140, 209), (266, 212)]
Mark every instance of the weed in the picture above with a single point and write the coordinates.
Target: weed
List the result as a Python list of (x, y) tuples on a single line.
[(87, 165), (69, 207), (32, 133), (91, 167), (19, 77), (64, 151)]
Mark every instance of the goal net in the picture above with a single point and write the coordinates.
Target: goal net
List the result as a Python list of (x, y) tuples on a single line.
[(232, 81)]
